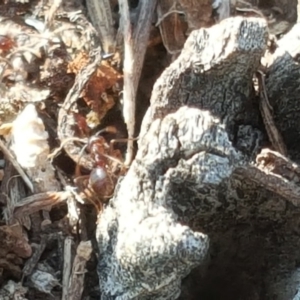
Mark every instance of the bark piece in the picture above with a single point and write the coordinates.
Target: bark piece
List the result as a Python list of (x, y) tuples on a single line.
[(198, 13), (76, 285), (185, 160), (214, 72), (13, 241), (275, 173), (67, 267), (145, 252), (267, 116), (14, 246), (37, 202), (283, 89)]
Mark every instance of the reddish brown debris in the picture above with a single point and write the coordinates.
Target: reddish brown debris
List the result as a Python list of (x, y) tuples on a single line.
[(95, 93)]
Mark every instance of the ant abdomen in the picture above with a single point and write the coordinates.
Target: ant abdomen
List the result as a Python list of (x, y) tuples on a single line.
[(98, 179)]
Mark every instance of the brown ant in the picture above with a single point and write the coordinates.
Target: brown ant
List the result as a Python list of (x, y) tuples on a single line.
[(107, 168), (107, 165)]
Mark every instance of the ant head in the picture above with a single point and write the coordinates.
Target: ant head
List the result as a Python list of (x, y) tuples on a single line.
[(95, 142)]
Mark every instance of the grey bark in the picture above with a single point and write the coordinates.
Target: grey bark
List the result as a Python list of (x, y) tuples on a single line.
[(189, 200), (283, 87)]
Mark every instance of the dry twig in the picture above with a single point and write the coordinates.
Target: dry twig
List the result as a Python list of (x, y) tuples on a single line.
[(100, 13), (275, 173), (135, 45), (83, 254), (9, 156), (67, 267), (265, 109), (38, 202)]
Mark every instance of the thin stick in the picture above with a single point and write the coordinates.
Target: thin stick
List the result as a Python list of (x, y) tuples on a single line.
[(170, 26), (101, 16), (52, 155), (135, 45), (175, 11), (83, 254), (65, 118), (17, 166), (265, 109), (67, 267), (34, 203), (251, 10)]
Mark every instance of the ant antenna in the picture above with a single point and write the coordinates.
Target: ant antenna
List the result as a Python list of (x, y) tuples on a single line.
[(110, 129)]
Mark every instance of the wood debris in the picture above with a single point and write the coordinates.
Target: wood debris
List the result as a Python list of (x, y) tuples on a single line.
[(76, 285)]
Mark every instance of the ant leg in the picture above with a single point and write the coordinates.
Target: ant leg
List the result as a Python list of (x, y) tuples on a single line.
[(77, 167), (114, 141), (79, 181), (52, 155), (108, 129)]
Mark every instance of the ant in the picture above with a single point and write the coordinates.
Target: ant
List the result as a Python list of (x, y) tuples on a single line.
[(107, 164), (107, 167)]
